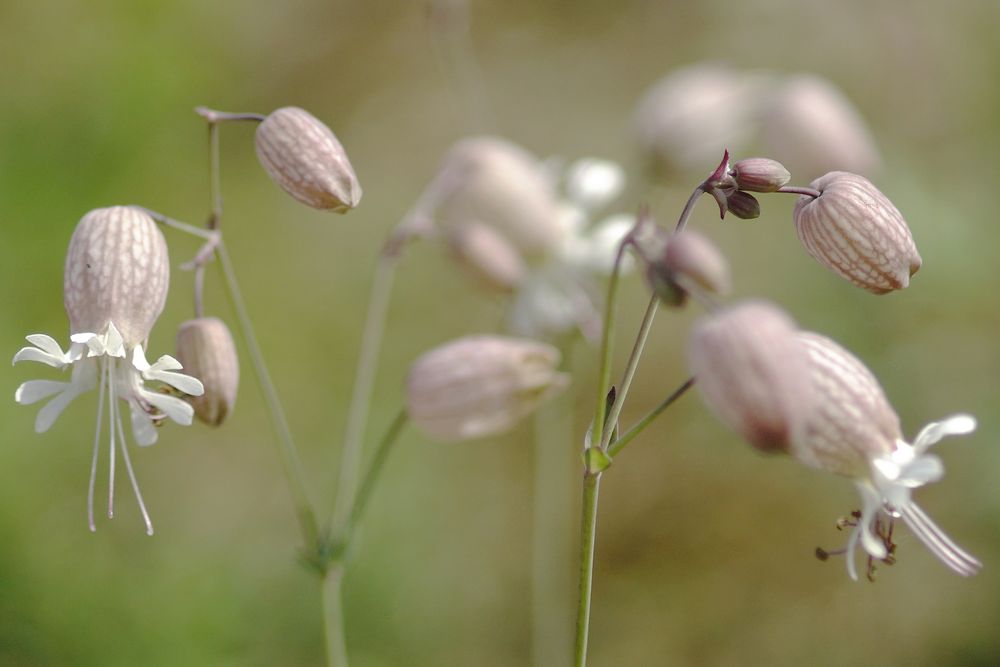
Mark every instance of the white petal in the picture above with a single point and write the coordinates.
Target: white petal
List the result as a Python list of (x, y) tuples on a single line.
[(139, 359), (593, 183), (113, 342), (46, 343), (143, 429), (872, 504), (933, 432), (887, 468), (166, 363), (41, 356), (171, 406), (83, 338), (51, 411), (33, 391), (186, 383), (928, 468)]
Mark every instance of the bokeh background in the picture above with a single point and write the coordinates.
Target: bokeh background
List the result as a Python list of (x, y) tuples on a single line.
[(704, 548)]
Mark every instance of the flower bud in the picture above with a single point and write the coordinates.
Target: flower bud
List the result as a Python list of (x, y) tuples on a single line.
[(498, 183), (689, 261), (206, 350), (117, 270), (853, 422), (742, 205), (481, 385), (489, 254), (759, 174), (695, 112), (303, 156), (814, 128), (752, 372), (854, 229)]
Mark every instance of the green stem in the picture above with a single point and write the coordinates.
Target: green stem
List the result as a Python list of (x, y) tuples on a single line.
[(630, 368), (688, 209), (364, 380), (619, 444), (374, 471), (289, 455), (333, 617), (607, 334), (588, 538), (213, 116)]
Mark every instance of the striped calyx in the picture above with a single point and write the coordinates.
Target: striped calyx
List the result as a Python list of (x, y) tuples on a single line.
[(752, 373), (206, 350), (853, 229), (117, 270), (303, 156), (477, 386), (851, 422)]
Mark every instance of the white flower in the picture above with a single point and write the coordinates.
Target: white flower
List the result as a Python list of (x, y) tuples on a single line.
[(852, 430), (115, 285), (893, 478), (121, 373)]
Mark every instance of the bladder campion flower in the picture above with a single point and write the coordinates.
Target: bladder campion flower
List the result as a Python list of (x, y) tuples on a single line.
[(853, 229), (483, 385), (115, 286), (206, 349), (853, 431)]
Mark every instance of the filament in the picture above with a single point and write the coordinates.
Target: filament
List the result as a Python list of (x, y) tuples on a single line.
[(114, 415), (97, 442), (131, 475)]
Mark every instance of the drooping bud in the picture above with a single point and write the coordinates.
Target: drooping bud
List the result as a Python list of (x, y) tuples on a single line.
[(688, 262), (855, 230), (760, 174), (497, 183), (305, 158), (852, 422), (692, 114), (117, 270), (814, 128), (206, 350), (480, 385), (753, 373), (489, 255), (743, 205)]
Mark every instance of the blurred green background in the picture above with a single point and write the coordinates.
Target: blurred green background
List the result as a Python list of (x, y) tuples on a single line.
[(704, 547)]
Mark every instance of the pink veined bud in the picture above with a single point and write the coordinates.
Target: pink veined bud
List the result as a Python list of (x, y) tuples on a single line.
[(480, 385), (497, 183), (760, 174), (743, 205), (812, 126), (752, 372), (305, 158), (855, 230), (206, 350), (688, 262), (117, 270), (852, 421), (489, 255)]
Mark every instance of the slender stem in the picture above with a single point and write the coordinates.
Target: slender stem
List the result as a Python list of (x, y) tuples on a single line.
[(797, 190), (213, 116), (630, 368), (333, 617), (364, 380), (688, 209), (214, 176), (289, 454), (619, 444), (185, 227), (588, 537), (607, 335), (374, 472)]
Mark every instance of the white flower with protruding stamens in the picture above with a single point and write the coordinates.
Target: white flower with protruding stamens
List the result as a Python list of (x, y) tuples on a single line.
[(853, 431), (115, 286)]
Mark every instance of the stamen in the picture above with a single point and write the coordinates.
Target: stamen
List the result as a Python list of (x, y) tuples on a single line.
[(97, 443), (131, 476), (114, 415)]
